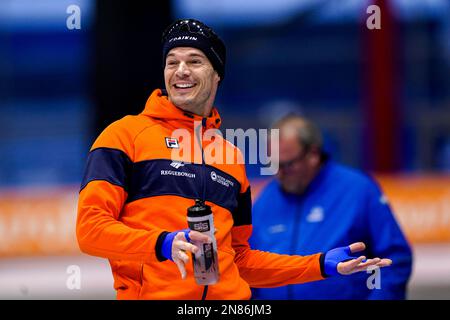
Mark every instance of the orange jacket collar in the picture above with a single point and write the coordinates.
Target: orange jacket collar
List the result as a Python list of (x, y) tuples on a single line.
[(159, 106)]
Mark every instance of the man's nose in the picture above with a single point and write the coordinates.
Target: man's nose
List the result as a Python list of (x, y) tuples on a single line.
[(182, 70)]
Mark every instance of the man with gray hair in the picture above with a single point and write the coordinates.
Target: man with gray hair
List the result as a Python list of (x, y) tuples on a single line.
[(316, 204)]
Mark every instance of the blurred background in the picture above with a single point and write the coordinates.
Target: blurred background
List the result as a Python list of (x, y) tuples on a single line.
[(68, 68)]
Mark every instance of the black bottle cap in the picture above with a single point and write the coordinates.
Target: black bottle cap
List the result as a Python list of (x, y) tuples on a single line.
[(199, 209)]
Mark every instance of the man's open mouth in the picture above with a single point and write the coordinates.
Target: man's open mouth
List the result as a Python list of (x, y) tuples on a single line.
[(184, 85)]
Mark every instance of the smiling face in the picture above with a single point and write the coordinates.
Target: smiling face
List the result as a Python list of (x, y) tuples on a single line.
[(190, 79)]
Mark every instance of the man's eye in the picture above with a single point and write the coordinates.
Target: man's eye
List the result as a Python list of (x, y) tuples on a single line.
[(196, 61), (171, 63)]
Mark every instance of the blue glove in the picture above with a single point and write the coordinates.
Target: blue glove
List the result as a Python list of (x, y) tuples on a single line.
[(166, 249), (335, 256)]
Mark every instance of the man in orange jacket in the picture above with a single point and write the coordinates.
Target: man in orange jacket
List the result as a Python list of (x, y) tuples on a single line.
[(136, 190)]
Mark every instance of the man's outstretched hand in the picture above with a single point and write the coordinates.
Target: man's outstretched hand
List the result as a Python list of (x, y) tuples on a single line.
[(344, 261)]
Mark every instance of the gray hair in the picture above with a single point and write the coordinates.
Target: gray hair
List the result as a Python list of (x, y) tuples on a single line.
[(308, 132)]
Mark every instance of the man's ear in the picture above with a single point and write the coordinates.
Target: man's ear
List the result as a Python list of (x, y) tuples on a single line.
[(216, 77), (315, 156)]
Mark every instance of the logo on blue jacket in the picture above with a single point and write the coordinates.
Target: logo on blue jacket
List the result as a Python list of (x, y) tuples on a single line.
[(315, 215)]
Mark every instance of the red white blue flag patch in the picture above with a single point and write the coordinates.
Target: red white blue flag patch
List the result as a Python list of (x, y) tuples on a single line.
[(172, 143)]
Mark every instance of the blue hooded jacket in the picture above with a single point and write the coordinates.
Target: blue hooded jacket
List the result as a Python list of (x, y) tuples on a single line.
[(339, 207)]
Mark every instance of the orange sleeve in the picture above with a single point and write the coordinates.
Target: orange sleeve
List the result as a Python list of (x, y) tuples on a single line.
[(102, 197), (266, 269)]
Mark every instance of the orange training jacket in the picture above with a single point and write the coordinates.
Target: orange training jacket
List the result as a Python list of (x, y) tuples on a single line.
[(135, 189)]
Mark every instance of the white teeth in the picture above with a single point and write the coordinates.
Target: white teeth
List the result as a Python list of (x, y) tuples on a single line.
[(184, 85)]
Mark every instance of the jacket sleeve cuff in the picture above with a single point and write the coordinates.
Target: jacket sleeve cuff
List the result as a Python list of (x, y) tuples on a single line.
[(158, 246), (322, 265)]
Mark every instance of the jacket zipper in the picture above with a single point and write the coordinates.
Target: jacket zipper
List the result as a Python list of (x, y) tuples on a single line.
[(203, 159), (203, 196)]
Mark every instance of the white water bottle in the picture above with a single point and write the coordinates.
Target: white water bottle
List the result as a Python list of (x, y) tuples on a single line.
[(205, 262)]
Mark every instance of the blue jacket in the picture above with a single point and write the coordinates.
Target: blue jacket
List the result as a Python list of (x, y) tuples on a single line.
[(340, 206)]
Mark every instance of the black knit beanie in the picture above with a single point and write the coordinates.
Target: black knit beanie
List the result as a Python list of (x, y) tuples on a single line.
[(196, 34)]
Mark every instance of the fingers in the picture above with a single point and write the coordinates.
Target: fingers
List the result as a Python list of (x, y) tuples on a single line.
[(180, 246), (179, 243), (363, 266), (356, 262), (384, 263), (180, 264), (356, 265), (357, 246), (199, 237), (375, 262), (185, 246), (179, 257), (349, 266)]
